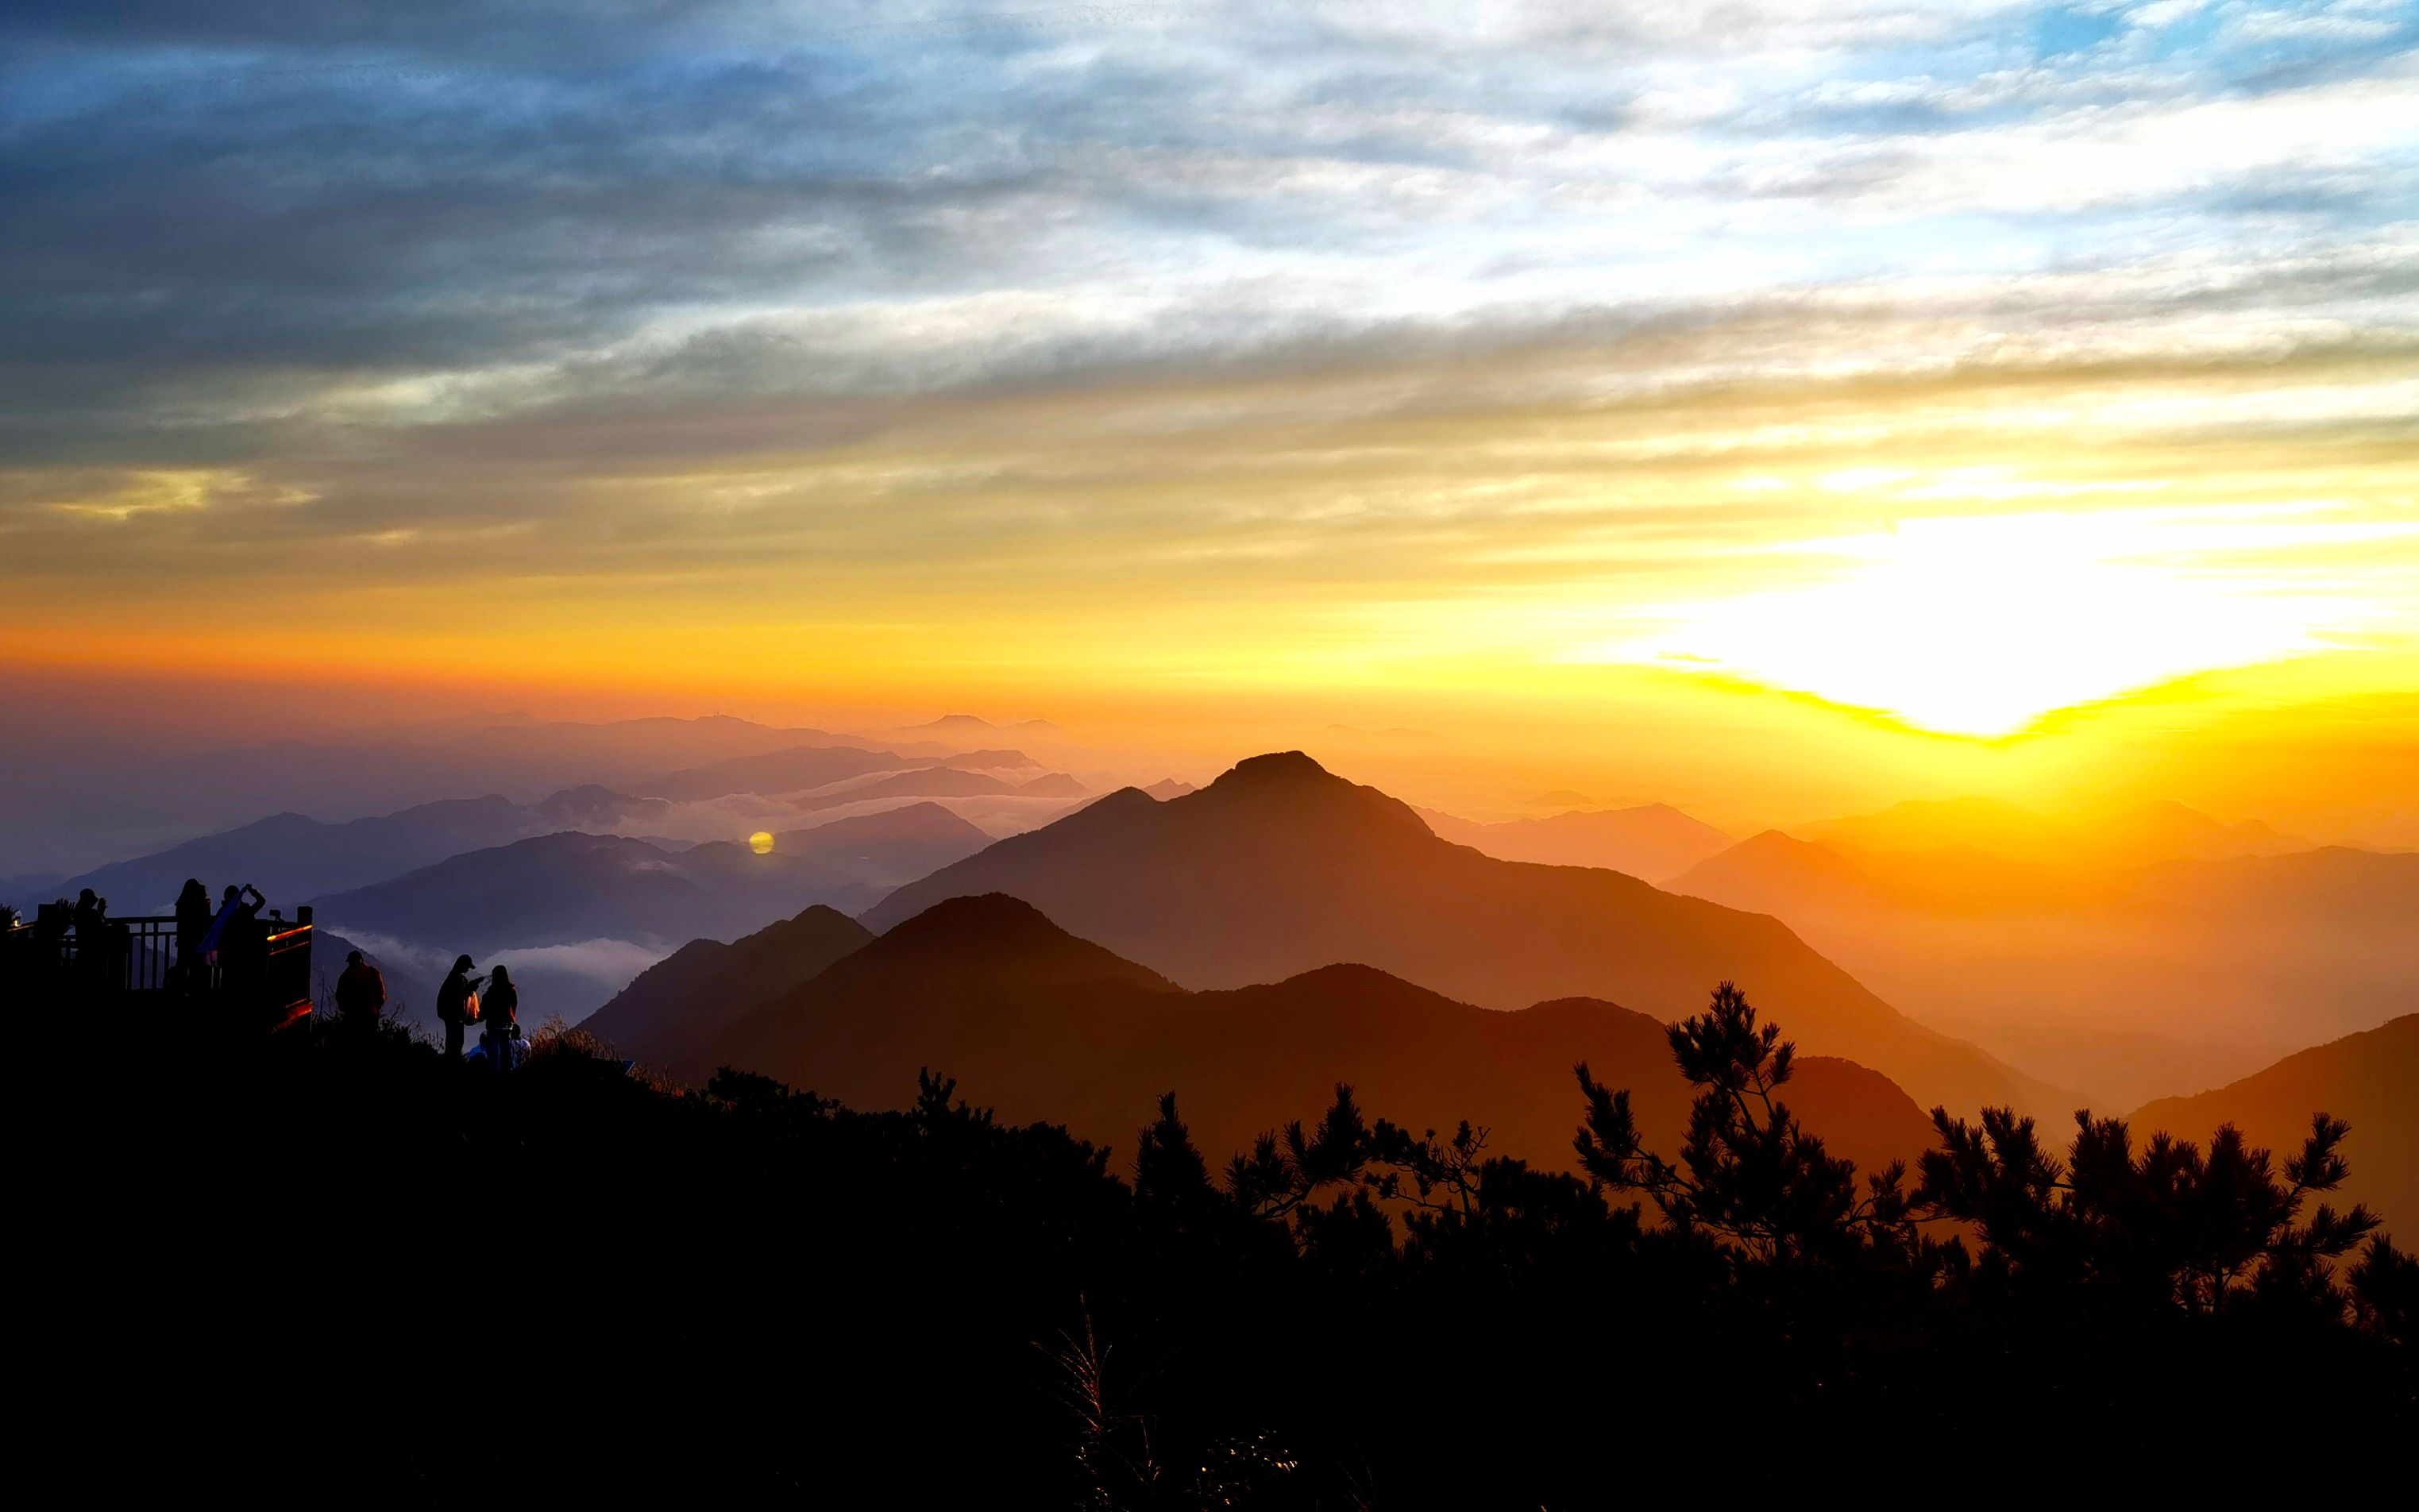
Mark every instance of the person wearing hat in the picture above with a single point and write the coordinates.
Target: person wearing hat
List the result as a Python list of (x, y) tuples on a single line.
[(457, 1003), (360, 995)]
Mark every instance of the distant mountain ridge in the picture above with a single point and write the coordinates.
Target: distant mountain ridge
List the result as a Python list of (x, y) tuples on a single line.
[(886, 848), (293, 859), (116, 806), (1652, 841), (1279, 867), (2129, 979), (959, 725), (2141, 834), (572, 887), (1041, 1024)]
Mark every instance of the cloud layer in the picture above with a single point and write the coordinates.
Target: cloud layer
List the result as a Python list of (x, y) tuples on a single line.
[(1356, 327)]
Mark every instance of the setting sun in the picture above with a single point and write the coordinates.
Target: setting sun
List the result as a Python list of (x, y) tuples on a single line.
[(1980, 624)]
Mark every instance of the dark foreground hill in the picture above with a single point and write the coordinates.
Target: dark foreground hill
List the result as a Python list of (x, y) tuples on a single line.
[(332, 1270), (1279, 867), (2370, 1080), (1039, 1023)]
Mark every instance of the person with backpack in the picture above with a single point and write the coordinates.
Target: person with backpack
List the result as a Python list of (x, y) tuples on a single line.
[(457, 1004), (360, 995)]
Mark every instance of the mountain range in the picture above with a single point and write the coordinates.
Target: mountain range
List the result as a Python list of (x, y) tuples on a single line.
[(800, 768), (888, 849), (2116, 836), (2131, 980), (572, 885), (1279, 867), (1040, 1025), (68, 816), (293, 859), (974, 726)]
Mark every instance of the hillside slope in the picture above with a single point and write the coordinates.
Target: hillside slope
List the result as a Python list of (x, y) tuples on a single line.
[(2370, 1080)]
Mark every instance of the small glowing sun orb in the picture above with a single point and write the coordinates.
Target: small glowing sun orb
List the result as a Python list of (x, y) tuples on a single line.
[(760, 842)]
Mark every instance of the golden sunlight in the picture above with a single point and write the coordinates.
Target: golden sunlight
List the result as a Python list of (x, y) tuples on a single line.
[(1980, 625)]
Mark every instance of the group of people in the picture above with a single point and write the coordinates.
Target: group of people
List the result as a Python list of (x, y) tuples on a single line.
[(228, 939), (222, 944), (227, 945), (460, 1003), (360, 999)]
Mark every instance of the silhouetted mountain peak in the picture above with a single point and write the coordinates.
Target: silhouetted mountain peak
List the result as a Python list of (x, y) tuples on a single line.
[(914, 821), (1053, 785), (1286, 768), (993, 932), (1351, 982), (822, 915), (989, 916), (1287, 784)]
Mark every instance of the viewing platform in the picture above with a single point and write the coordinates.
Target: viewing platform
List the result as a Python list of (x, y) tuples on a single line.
[(132, 964)]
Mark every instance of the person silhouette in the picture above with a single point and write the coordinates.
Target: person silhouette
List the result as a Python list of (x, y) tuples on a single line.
[(94, 956), (457, 1003), (237, 942), (194, 920), (498, 1009), (230, 905), (360, 995)]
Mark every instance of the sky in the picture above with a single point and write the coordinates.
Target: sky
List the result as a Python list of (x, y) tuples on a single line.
[(1972, 372)]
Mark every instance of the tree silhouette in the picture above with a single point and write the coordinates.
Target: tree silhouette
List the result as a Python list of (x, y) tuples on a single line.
[(2170, 1226), (2386, 1291), (1748, 1171)]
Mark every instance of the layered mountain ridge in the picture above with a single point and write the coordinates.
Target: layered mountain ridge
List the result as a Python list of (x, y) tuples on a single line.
[(1279, 866)]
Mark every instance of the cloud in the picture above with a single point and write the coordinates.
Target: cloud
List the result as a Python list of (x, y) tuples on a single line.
[(516, 319), (604, 961)]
